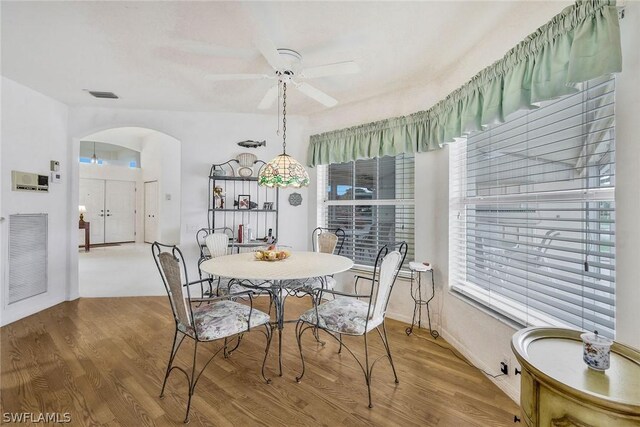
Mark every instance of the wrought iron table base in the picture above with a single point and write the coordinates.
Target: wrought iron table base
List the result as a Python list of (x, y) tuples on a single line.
[(278, 294), (419, 302)]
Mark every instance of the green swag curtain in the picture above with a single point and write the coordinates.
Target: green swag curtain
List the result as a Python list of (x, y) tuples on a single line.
[(579, 44)]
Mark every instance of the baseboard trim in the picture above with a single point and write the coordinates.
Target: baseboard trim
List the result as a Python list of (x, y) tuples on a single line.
[(27, 308), (507, 388)]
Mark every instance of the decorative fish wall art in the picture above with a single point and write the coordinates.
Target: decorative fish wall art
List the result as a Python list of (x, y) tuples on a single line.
[(250, 143)]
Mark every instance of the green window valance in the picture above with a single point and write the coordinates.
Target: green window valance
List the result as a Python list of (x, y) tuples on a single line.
[(579, 44)]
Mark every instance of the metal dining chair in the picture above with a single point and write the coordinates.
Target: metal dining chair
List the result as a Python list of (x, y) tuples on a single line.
[(349, 314), (323, 240), (217, 318), (212, 244)]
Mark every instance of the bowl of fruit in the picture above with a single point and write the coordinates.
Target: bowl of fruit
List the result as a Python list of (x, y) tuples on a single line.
[(272, 254)]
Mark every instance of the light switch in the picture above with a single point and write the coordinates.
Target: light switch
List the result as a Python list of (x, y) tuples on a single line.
[(167, 196)]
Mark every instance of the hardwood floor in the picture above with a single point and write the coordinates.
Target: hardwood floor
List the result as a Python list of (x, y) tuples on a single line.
[(103, 361)]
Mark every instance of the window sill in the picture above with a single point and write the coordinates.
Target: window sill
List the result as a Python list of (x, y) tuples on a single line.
[(486, 310)]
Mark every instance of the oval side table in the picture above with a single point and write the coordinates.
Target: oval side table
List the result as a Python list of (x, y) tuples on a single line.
[(559, 390)]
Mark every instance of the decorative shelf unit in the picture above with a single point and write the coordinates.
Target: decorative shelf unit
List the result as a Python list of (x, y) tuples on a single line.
[(224, 176)]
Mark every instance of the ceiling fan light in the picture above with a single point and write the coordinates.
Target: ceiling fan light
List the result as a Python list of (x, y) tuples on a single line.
[(283, 171)]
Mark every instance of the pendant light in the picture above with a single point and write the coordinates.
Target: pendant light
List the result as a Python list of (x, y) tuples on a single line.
[(283, 171), (94, 158)]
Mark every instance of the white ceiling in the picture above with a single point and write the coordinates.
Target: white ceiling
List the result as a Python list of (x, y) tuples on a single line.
[(154, 55)]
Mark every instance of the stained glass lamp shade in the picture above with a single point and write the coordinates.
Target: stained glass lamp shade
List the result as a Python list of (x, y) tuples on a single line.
[(284, 171)]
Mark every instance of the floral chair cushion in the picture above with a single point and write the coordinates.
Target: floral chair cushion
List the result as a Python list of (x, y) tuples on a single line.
[(310, 284), (342, 315), (223, 288), (225, 318)]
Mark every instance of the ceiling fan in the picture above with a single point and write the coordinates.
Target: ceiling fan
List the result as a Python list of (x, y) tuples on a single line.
[(287, 66)]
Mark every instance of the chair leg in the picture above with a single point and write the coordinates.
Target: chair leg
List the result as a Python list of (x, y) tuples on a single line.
[(340, 349), (299, 331), (172, 355), (385, 341), (238, 341), (269, 335), (367, 375), (192, 381), (225, 352)]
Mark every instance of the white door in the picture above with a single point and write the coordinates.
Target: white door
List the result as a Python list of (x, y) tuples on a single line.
[(120, 211), (92, 197), (151, 216)]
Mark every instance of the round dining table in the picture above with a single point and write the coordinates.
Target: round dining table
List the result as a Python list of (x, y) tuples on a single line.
[(272, 275)]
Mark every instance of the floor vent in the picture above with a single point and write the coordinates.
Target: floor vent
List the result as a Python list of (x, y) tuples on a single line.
[(27, 256)]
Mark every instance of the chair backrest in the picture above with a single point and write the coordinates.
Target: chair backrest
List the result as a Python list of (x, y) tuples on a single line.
[(328, 240), (201, 237), (169, 266), (217, 244), (546, 241), (386, 270)]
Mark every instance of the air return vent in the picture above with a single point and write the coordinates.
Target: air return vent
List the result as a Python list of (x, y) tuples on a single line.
[(27, 256), (107, 95)]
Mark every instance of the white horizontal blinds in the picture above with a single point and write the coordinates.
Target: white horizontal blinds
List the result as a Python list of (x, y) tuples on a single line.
[(372, 200), (532, 224)]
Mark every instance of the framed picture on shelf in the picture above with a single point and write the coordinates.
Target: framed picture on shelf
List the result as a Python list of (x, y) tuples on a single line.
[(267, 206), (244, 201)]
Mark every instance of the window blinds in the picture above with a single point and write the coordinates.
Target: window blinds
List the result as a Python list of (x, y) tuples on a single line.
[(532, 213), (372, 201)]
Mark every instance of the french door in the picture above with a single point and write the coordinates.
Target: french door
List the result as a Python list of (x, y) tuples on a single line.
[(111, 209)]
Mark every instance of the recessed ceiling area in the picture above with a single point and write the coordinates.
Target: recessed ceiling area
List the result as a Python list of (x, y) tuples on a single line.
[(155, 55)]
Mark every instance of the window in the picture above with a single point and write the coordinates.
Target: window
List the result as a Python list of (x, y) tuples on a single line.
[(372, 201), (532, 213)]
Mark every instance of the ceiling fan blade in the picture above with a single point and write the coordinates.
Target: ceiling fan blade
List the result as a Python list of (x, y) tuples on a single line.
[(339, 68), (269, 98), (225, 77), (269, 51), (316, 94)]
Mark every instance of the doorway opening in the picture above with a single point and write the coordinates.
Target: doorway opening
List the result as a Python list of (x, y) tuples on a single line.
[(129, 195)]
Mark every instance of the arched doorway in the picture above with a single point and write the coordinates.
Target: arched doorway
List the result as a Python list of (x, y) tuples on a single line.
[(129, 189)]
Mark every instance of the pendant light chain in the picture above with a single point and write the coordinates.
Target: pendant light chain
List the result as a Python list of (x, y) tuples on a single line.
[(284, 118), (283, 171), (279, 97)]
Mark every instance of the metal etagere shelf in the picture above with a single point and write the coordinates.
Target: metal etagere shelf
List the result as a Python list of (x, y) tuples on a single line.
[(224, 210)]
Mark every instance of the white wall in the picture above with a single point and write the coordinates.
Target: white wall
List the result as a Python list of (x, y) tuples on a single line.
[(481, 337), (160, 160), (627, 181), (205, 138), (34, 131)]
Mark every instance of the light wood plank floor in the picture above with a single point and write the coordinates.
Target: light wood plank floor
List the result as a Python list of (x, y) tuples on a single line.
[(103, 360)]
